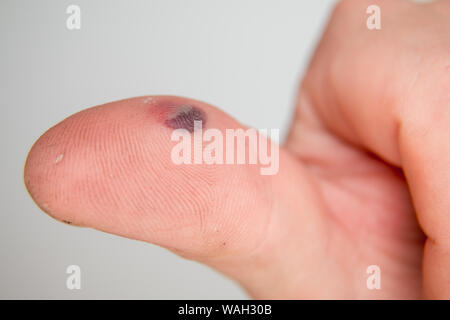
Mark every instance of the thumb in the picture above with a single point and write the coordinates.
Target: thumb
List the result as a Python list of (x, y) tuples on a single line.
[(110, 168)]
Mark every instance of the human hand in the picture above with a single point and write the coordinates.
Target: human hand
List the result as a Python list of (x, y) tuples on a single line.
[(363, 177)]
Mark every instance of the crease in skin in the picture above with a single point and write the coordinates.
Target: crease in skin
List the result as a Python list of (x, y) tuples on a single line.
[(184, 116)]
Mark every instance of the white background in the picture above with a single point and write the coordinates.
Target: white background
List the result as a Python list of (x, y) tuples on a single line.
[(243, 56)]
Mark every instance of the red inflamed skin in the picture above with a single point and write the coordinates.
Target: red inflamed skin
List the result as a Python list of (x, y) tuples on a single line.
[(363, 175)]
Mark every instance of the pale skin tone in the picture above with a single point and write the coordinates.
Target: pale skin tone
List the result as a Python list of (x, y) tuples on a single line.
[(364, 174)]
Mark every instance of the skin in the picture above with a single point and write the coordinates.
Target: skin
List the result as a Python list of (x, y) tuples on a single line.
[(184, 117), (363, 180)]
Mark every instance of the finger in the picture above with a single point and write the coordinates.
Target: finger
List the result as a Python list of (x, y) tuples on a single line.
[(111, 168), (425, 151), (382, 92)]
